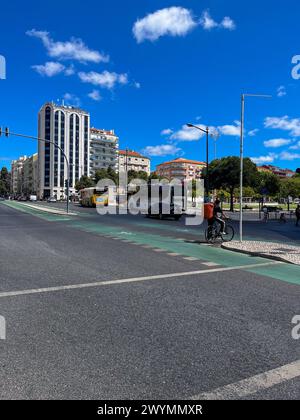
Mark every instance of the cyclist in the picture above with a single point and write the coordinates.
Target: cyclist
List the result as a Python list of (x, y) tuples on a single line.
[(218, 216)]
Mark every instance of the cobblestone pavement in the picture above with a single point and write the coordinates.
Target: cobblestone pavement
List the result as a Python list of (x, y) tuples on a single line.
[(275, 250)]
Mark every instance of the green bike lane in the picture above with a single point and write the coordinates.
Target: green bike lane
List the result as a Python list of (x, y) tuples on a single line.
[(184, 247)]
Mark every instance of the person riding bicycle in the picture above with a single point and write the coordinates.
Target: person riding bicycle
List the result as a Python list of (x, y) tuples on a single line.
[(218, 216)]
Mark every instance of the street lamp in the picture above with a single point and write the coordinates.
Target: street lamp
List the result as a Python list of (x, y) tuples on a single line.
[(243, 96), (8, 133), (206, 131)]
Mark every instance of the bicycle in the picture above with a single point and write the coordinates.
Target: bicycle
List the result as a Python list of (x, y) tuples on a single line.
[(213, 233)]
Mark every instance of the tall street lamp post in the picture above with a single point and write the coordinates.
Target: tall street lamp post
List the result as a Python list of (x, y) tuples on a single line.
[(206, 131), (243, 96)]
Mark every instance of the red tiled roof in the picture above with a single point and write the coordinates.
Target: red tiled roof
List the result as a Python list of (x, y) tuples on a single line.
[(131, 153), (182, 160)]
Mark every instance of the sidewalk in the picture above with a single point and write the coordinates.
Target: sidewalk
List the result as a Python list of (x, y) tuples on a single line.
[(272, 250)]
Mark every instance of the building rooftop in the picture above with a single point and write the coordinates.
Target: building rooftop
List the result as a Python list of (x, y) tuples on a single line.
[(102, 131), (132, 153), (64, 107), (183, 160)]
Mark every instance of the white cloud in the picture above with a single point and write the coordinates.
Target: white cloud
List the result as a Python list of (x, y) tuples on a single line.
[(281, 91), (193, 134), (162, 150), (289, 156), (137, 85), (95, 95), (166, 132), (70, 70), (188, 134), (173, 21), (230, 130), (253, 133), (261, 160), (295, 146), (105, 79), (74, 49), (228, 23), (277, 143), (284, 123), (208, 23), (71, 100), (49, 69)]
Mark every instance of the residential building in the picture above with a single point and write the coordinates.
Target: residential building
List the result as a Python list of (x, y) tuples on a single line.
[(104, 147), (282, 173), (17, 175), (69, 128), (25, 175), (130, 160), (183, 169), (30, 175)]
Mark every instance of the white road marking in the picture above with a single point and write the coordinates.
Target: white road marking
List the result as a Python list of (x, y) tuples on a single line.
[(210, 264), (133, 279), (173, 254), (191, 259), (158, 250), (254, 384), (147, 246)]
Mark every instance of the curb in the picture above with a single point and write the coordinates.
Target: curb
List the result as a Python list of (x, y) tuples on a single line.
[(259, 254)]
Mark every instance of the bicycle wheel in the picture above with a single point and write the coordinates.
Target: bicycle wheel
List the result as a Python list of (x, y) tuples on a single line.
[(210, 234), (229, 234)]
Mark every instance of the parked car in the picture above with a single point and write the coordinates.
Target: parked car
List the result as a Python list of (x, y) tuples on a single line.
[(51, 200)]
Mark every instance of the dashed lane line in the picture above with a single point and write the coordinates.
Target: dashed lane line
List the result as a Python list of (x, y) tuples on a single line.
[(191, 258), (210, 264), (131, 280)]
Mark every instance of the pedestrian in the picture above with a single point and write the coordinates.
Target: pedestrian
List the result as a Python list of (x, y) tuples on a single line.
[(297, 212)]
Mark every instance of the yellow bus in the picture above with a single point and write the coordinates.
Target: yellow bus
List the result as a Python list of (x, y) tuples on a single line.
[(90, 197)]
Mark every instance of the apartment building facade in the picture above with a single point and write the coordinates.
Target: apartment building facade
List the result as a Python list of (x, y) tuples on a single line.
[(180, 168), (68, 128), (17, 175), (104, 147), (130, 160), (282, 173)]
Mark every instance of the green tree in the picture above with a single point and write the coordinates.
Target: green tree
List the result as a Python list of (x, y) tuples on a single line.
[(225, 174), (268, 184), (153, 175), (84, 182), (4, 182), (290, 187)]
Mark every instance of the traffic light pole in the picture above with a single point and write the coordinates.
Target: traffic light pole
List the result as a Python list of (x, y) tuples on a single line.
[(8, 133)]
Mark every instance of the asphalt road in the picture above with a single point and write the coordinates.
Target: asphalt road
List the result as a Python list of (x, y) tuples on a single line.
[(119, 307)]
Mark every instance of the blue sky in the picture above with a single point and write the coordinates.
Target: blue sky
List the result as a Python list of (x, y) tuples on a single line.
[(146, 67)]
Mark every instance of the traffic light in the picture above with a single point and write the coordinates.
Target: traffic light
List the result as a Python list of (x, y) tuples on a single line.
[(5, 131)]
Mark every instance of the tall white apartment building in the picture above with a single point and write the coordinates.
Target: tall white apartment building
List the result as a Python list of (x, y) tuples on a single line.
[(69, 128), (103, 150)]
